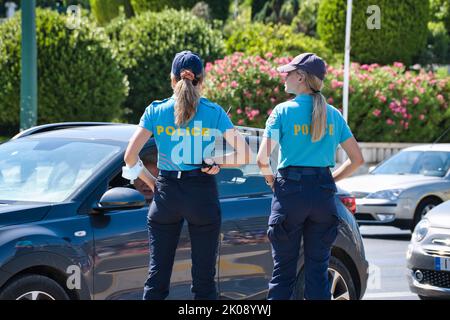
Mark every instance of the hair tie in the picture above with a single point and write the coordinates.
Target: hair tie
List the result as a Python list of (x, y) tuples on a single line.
[(187, 74), (317, 91)]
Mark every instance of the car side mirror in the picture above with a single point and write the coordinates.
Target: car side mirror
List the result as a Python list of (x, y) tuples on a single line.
[(120, 199)]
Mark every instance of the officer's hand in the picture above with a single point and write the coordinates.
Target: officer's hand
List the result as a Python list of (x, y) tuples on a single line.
[(212, 170)]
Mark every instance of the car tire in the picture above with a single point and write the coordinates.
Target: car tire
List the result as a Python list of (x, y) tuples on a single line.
[(33, 287), (344, 289), (424, 205)]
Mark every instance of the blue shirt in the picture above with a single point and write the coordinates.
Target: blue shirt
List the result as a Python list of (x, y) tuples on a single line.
[(290, 125), (184, 148)]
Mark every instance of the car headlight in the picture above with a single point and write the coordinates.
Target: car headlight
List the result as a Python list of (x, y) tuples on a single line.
[(386, 194), (421, 230)]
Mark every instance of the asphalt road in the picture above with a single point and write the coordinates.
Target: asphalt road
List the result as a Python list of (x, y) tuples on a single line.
[(386, 252)]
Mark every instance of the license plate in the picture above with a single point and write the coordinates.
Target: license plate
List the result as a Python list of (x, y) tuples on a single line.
[(442, 264)]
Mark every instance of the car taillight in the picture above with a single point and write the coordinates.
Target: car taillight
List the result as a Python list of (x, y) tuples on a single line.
[(350, 203)]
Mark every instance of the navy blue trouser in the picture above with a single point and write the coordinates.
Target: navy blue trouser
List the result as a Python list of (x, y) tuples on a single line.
[(303, 205), (194, 199)]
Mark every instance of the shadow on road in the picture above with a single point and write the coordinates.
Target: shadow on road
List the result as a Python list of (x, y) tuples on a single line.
[(397, 237)]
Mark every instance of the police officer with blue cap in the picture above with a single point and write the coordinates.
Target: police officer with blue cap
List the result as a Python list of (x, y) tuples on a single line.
[(185, 127), (308, 132)]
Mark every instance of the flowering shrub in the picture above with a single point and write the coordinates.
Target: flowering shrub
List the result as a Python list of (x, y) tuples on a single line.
[(386, 103), (250, 85), (389, 104)]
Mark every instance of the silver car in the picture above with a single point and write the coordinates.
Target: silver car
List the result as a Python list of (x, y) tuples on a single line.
[(403, 188), (428, 255)]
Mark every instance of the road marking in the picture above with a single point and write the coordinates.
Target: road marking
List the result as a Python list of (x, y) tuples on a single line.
[(381, 295)]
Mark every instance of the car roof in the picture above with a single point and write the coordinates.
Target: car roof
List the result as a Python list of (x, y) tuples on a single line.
[(445, 147), (120, 133)]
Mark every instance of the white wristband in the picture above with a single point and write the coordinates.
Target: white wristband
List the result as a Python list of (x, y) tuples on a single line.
[(132, 173)]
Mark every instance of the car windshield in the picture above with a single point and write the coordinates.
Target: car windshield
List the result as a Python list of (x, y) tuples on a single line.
[(427, 163), (48, 170)]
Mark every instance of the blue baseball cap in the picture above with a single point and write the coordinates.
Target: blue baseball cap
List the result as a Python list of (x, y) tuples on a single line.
[(307, 62), (186, 60)]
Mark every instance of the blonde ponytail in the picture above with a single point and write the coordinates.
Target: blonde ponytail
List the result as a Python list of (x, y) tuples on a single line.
[(319, 112)]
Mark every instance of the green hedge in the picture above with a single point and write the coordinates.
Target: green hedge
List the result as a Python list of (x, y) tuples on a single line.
[(78, 77), (106, 10), (402, 35), (146, 46), (280, 40), (219, 8)]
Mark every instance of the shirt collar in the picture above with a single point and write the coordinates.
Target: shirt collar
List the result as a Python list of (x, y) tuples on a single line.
[(303, 97)]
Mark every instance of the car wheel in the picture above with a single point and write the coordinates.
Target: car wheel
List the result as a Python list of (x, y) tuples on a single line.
[(423, 208), (341, 282), (33, 287)]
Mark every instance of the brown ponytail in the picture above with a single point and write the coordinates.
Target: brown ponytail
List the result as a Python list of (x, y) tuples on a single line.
[(187, 94)]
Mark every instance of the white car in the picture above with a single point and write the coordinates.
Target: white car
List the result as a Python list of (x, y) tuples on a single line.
[(402, 189), (428, 255)]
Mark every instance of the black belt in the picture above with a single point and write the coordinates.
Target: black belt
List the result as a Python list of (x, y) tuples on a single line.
[(295, 173), (182, 174)]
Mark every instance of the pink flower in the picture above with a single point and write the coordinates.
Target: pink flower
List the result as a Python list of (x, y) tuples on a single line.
[(269, 55), (273, 100), (245, 61), (239, 111), (254, 112), (382, 98), (276, 90), (391, 86), (269, 112), (398, 65), (336, 84), (365, 67), (404, 101), (223, 85), (240, 122), (241, 69), (390, 122), (406, 125), (376, 112), (422, 90), (257, 81), (234, 84), (330, 100), (440, 98), (416, 100), (208, 66), (422, 117)]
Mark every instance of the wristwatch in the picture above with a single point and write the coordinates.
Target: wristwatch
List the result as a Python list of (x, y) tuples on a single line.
[(209, 163)]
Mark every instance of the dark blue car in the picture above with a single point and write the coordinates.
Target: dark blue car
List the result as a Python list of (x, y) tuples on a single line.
[(72, 228)]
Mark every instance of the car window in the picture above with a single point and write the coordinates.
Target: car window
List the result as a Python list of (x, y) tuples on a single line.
[(49, 170), (149, 158), (245, 180), (428, 163)]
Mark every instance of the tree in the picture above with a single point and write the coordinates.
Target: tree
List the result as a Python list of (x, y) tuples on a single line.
[(402, 35)]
